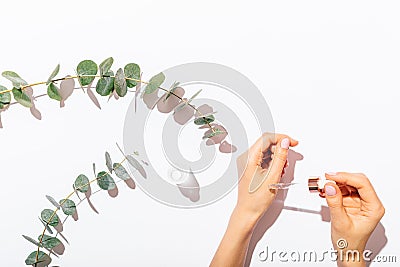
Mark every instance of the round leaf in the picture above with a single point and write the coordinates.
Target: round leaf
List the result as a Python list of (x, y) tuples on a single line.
[(105, 66), (53, 93), (213, 133), (49, 242), (17, 81), (154, 83), (82, 183), (86, 67), (46, 215), (43, 259), (68, 206), (132, 71), (5, 98), (121, 172), (105, 85), (120, 83), (22, 98), (105, 181), (53, 74), (204, 120)]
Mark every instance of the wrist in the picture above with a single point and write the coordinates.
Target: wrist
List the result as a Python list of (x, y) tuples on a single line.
[(244, 219), (351, 263), (351, 256)]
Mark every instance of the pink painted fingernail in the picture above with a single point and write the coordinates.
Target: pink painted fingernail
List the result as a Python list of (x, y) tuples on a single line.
[(330, 190), (332, 173), (285, 143)]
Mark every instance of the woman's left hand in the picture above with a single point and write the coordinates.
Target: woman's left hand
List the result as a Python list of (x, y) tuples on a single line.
[(260, 166)]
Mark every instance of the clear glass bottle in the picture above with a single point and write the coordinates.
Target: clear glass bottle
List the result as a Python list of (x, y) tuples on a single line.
[(316, 184)]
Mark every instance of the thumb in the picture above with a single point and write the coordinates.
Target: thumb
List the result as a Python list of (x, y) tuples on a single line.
[(279, 160), (334, 199)]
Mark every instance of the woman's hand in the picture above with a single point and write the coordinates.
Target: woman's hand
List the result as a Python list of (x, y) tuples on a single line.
[(261, 165), (355, 216)]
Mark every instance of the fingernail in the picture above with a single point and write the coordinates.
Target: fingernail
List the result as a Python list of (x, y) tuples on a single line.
[(285, 143), (331, 173), (330, 190)]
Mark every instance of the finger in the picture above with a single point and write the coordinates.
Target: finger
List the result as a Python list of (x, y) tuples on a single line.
[(279, 160), (358, 181), (263, 143), (334, 200)]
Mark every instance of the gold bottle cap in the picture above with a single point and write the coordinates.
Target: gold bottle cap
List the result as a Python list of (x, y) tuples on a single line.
[(313, 185)]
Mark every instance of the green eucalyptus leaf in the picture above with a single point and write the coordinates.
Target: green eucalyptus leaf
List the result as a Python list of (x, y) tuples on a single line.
[(82, 183), (213, 133), (184, 103), (132, 161), (94, 168), (33, 241), (105, 66), (53, 74), (49, 242), (17, 81), (68, 206), (5, 98), (43, 259), (121, 172), (86, 67), (132, 71), (195, 95), (181, 106), (22, 98), (109, 162), (204, 120), (105, 85), (120, 83), (53, 93), (53, 201), (171, 90), (46, 215), (154, 83), (105, 181)]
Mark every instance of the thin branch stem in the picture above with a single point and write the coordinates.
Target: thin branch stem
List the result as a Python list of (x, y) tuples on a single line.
[(99, 76), (90, 182), (62, 203)]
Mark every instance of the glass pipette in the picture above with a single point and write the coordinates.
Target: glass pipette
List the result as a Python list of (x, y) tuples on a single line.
[(281, 186)]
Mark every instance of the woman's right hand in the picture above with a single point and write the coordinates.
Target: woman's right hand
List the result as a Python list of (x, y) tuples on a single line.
[(355, 216)]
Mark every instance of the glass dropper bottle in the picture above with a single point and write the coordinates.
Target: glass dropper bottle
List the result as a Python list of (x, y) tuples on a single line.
[(316, 184)]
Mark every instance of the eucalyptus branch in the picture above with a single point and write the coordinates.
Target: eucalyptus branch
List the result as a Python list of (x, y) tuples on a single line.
[(108, 84), (63, 202), (185, 102)]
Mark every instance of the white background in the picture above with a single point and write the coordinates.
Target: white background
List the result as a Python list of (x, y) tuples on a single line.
[(328, 69)]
